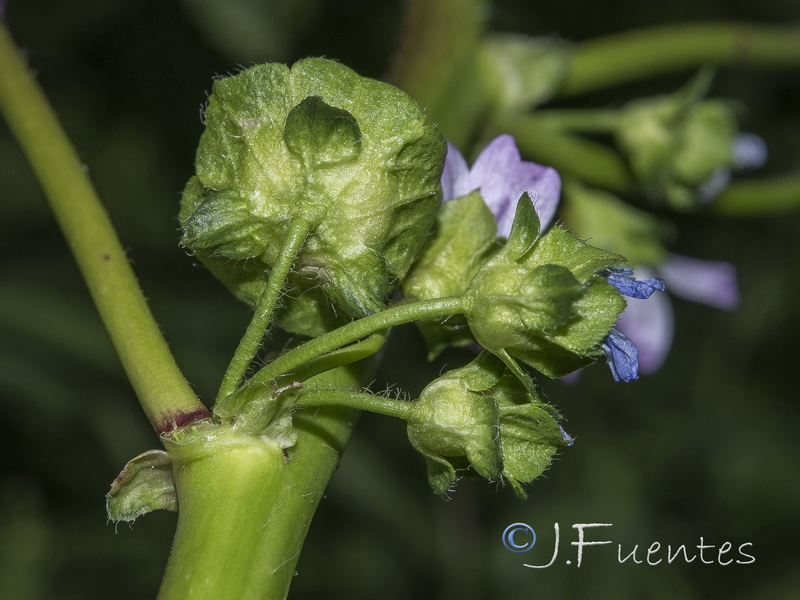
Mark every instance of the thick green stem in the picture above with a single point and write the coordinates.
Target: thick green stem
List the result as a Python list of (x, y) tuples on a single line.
[(251, 341), (625, 57), (391, 407), (161, 388), (245, 506)]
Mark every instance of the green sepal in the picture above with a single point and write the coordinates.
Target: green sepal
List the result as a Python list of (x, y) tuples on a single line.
[(223, 226), (524, 229), (542, 299), (615, 225), (560, 246), (454, 419), (530, 436), (511, 304), (462, 242), (523, 71), (351, 154), (144, 485)]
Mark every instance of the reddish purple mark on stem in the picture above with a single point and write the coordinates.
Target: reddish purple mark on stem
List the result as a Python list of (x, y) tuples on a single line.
[(182, 419)]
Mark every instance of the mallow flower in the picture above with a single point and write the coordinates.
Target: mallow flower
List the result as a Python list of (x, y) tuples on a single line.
[(542, 297), (552, 302), (481, 200)]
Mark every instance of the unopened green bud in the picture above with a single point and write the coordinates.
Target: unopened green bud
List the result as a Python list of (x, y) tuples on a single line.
[(482, 416), (455, 424), (542, 299), (524, 71), (350, 155), (676, 143)]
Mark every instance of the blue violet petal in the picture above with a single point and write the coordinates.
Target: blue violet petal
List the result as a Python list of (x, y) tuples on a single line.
[(623, 356), (622, 278), (568, 439)]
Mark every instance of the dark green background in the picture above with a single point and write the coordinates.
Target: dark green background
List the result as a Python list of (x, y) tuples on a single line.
[(707, 447)]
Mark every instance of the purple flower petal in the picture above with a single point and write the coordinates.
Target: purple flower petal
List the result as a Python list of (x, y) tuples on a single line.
[(622, 278), (649, 324), (706, 281), (623, 357), (713, 186), (502, 177), (749, 151), (455, 176)]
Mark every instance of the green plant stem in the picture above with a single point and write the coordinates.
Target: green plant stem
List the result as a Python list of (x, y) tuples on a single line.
[(256, 330), (356, 330), (585, 120), (162, 390), (758, 198), (391, 407), (352, 332), (571, 155), (650, 52), (245, 508), (345, 356)]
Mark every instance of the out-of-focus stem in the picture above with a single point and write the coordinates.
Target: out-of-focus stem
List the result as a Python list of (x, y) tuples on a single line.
[(571, 155), (653, 51), (437, 37), (758, 197)]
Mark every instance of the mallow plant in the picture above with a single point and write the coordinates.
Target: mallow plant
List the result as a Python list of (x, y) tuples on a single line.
[(336, 208)]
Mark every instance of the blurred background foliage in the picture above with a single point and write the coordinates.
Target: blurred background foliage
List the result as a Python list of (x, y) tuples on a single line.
[(706, 447)]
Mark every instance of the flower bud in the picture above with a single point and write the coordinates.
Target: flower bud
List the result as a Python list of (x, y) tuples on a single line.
[(543, 299), (677, 143), (351, 155), (482, 416)]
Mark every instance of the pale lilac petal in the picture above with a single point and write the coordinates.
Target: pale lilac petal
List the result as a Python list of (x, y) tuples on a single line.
[(455, 176), (707, 281), (749, 151), (649, 325), (503, 177), (496, 173), (713, 186)]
